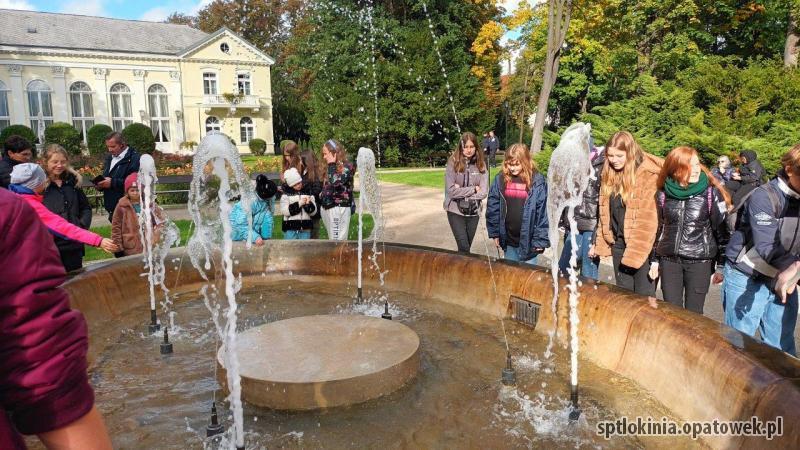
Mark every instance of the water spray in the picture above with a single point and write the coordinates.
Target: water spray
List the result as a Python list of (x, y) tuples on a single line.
[(166, 346), (509, 374), (360, 298)]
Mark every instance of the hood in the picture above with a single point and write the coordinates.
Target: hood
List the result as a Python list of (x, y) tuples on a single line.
[(750, 155), (650, 164)]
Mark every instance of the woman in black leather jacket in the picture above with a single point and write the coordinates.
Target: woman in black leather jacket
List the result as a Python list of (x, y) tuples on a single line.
[(692, 230), (63, 197)]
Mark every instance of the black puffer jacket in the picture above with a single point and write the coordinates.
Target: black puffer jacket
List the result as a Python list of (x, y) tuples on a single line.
[(69, 202), (586, 212), (692, 228)]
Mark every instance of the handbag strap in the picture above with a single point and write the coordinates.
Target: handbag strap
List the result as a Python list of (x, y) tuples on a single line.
[(466, 178)]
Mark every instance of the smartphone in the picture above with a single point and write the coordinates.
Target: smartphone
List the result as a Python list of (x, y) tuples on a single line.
[(98, 179)]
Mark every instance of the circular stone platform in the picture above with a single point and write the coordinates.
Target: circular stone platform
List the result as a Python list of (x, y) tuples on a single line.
[(317, 362)]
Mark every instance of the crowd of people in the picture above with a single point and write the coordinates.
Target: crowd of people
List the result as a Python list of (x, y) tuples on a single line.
[(670, 220)]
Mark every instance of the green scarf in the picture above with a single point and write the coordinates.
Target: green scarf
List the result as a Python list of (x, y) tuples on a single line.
[(676, 191)]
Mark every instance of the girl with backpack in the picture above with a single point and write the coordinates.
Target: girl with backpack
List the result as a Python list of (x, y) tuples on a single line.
[(692, 231), (763, 260), (466, 184), (516, 212), (627, 218)]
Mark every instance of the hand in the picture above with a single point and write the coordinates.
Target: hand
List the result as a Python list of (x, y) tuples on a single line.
[(717, 278), (259, 242), (592, 253), (653, 273), (105, 184), (785, 284), (109, 245), (477, 188), (497, 242), (736, 176)]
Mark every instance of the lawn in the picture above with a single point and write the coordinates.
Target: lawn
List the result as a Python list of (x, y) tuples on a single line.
[(424, 178), (185, 226)]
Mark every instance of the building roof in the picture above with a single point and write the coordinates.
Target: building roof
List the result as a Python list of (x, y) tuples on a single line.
[(74, 32)]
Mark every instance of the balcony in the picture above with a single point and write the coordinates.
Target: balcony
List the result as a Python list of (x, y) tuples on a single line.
[(231, 102)]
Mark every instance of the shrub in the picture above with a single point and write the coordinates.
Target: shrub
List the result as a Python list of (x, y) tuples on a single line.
[(65, 135), (391, 157), (279, 151), (188, 145), (19, 130), (140, 137), (258, 146), (96, 138)]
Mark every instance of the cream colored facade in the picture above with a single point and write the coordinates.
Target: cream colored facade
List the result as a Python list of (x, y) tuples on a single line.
[(221, 82)]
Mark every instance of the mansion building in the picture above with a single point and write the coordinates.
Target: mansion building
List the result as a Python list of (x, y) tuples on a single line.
[(179, 81)]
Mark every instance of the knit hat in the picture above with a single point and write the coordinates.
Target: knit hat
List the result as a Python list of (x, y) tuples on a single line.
[(131, 180), (29, 175), (265, 188), (292, 177)]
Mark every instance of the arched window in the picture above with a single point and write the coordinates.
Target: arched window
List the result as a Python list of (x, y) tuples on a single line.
[(209, 83), (212, 124), (121, 110), (243, 83), (157, 99), (39, 100), (80, 99), (5, 116), (247, 129)]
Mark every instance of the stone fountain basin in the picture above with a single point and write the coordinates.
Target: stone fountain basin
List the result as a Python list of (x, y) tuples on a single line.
[(698, 368)]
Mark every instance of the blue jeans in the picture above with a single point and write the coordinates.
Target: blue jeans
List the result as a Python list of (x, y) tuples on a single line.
[(297, 234), (512, 254), (750, 304), (590, 267)]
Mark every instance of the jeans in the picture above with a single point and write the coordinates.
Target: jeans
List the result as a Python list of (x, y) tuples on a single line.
[(685, 283), (297, 234), (631, 278), (463, 228), (590, 267), (512, 254), (750, 304)]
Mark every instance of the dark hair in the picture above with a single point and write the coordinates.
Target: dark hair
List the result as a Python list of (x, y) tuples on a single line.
[(311, 165), (116, 136), (17, 144)]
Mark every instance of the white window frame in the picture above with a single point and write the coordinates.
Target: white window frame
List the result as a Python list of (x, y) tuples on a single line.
[(5, 119), (41, 95), (210, 79), (247, 131), (159, 119), (80, 120), (120, 121), (244, 83), (213, 124)]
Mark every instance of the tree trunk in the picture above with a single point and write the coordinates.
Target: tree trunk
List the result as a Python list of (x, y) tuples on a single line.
[(558, 16), (792, 42)]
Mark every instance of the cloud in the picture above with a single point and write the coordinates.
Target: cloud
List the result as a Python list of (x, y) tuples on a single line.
[(17, 4), (160, 13), (157, 14), (85, 8)]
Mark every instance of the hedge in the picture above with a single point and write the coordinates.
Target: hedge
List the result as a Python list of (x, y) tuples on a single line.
[(258, 146), (140, 137), (19, 130), (96, 138), (65, 135)]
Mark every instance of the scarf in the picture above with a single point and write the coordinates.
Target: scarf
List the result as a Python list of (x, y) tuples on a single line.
[(676, 191)]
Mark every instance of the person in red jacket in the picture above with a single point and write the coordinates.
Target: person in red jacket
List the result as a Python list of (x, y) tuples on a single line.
[(44, 386)]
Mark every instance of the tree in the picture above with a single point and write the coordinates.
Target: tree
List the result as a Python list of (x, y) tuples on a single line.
[(182, 19), (558, 17), (792, 37)]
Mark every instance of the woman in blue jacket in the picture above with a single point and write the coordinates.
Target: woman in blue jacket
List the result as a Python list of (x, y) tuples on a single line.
[(516, 216), (261, 210)]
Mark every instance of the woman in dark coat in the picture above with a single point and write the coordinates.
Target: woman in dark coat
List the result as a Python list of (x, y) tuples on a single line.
[(64, 197)]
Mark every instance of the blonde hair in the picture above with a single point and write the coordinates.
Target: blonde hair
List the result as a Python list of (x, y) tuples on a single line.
[(620, 182), (792, 159), (520, 153), (53, 149)]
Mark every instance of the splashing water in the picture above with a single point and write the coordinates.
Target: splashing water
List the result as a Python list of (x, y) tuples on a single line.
[(567, 178), (155, 248), (212, 237), (441, 65), (369, 196)]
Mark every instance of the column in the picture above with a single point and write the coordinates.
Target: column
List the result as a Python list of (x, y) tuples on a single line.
[(102, 113), (61, 112), (139, 99), (176, 104), (17, 95)]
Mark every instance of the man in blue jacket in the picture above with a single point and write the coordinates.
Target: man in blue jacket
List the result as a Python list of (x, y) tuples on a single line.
[(764, 248), (120, 162)]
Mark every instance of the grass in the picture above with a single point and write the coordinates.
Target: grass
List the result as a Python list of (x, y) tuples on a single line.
[(250, 161), (424, 178), (96, 254)]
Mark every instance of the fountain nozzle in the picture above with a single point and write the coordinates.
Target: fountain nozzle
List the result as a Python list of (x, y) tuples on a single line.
[(509, 375), (360, 298), (166, 346), (154, 326), (214, 428), (575, 412), (386, 314)]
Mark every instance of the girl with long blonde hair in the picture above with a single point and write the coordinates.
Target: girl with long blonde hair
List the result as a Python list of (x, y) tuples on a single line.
[(64, 197), (628, 221), (516, 215), (692, 230), (466, 184)]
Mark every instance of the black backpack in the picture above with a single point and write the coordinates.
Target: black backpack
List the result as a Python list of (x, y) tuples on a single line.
[(734, 219)]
